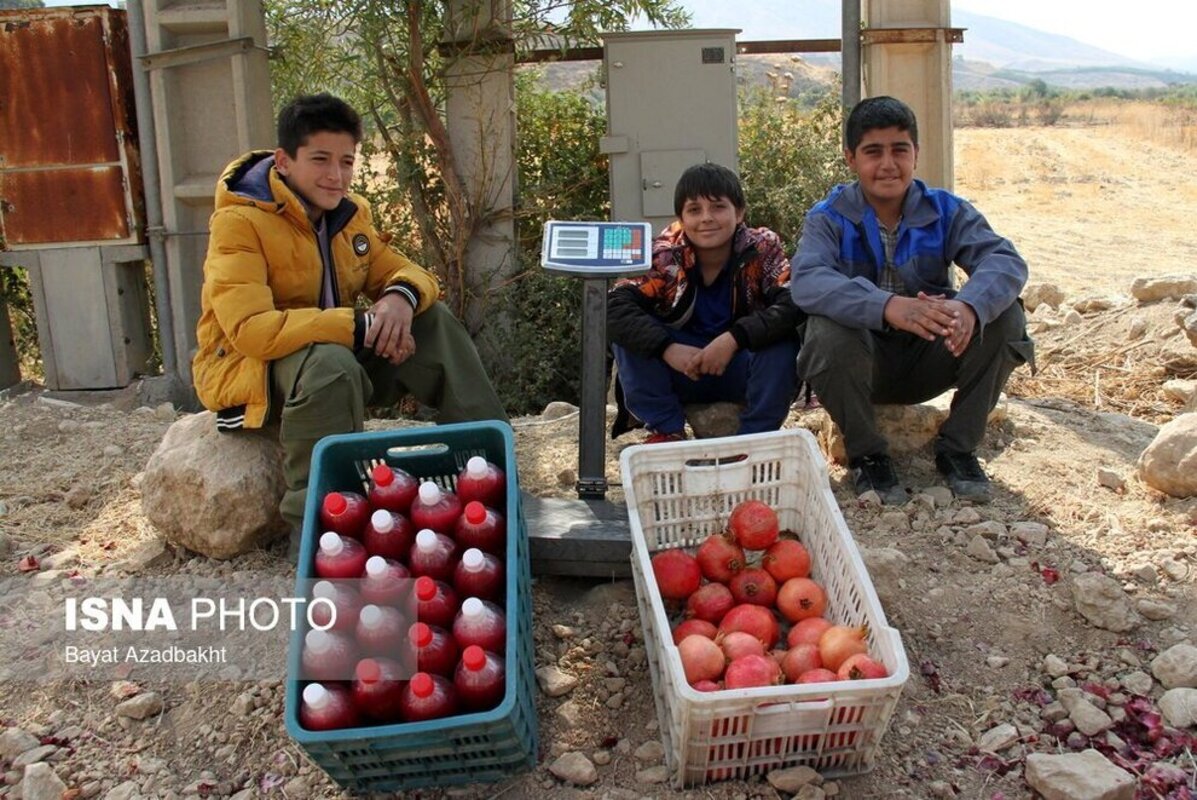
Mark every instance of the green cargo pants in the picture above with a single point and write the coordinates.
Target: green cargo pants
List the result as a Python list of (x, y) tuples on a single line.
[(324, 389)]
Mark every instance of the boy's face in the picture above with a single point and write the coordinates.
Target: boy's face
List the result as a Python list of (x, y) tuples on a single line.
[(884, 161), (321, 170), (710, 222)]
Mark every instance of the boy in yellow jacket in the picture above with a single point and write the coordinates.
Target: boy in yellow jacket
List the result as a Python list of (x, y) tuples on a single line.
[(279, 336)]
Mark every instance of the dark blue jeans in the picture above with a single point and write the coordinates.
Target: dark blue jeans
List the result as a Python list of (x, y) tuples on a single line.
[(764, 380)]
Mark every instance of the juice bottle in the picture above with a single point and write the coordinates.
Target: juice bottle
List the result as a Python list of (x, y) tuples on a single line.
[(345, 605), (427, 697), (380, 631), (484, 482), (392, 488), (389, 534), (326, 708), (479, 574), (328, 656), (435, 508), (481, 622), (344, 512), (479, 679), (378, 688), (385, 582), (433, 554), (481, 527), (436, 649), (436, 602), (340, 557)]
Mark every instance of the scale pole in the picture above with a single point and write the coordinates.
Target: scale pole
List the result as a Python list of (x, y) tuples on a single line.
[(592, 416)]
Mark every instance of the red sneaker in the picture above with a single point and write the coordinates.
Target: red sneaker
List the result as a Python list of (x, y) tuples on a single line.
[(661, 438)]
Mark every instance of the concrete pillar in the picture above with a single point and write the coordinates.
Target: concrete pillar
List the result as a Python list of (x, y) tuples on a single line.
[(10, 365), (907, 50), (480, 110)]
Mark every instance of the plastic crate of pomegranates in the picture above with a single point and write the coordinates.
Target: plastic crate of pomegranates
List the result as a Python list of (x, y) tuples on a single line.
[(767, 645), (414, 663)]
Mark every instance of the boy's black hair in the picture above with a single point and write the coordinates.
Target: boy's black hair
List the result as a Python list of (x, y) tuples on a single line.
[(308, 114), (708, 180), (879, 112)]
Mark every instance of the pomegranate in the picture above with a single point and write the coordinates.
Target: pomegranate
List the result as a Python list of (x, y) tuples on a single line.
[(720, 558), (701, 659), (799, 659), (860, 667), (754, 586), (819, 675), (757, 620), (799, 598), (699, 627), (707, 686), (738, 643), (751, 670), (753, 525), (841, 641), (710, 602), (785, 559), (807, 631), (677, 574)]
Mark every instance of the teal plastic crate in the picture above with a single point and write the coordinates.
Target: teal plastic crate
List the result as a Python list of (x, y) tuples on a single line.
[(467, 748)]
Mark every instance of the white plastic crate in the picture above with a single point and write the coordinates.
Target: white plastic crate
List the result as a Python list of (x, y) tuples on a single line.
[(679, 494)]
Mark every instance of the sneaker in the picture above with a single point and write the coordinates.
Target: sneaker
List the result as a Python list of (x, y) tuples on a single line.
[(965, 477), (876, 473), (661, 438)]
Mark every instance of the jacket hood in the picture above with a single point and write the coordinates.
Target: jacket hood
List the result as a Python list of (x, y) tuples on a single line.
[(253, 180)]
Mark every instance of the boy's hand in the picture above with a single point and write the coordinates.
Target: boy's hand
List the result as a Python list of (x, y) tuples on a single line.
[(927, 316), (962, 329), (390, 333), (680, 357), (714, 358)]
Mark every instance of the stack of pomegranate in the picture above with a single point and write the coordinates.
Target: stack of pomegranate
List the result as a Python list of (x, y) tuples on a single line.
[(751, 621), (453, 545)]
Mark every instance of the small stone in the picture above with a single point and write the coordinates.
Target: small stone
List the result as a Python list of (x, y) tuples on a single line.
[(601, 757), (1111, 479), (940, 495), (1102, 601), (140, 706), (810, 792), (1176, 570), (243, 706), (575, 768), (1155, 610), (563, 632), (894, 521), (297, 787), (569, 714), (998, 739), (1030, 533), (651, 752), (792, 779), (558, 409), (1145, 573), (164, 412), (14, 741), (41, 783), (78, 496), (941, 789), (869, 499), (615, 701), (1139, 683), (979, 549), (1090, 720), (150, 765), (1179, 707), (1176, 667), (966, 516), (1073, 318), (554, 682), (124, 791), (113, 451), (657, 774), (39, 753), (997, 662), (1073, 776)]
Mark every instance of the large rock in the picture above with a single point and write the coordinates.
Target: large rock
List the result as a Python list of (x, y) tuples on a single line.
[(714, 419), (1176, 667), (215, 493), (1188, 324), (1042, 294), (1078, 776), (906, 428), (1101, 600), (1165, 287), (1169, 463), (42, 783)]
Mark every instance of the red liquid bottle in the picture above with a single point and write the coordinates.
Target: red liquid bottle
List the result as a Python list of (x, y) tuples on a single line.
[(481, 527), (328, 656), (340, 557), (384, 583), (339, 604), (380, 631), (388, 534), (433, 554), (378, 689), (344, 512), (428, 697), (435, 508), (326, 708), (436, 602), (484, 482), (392, 488), (479, 679), (436, 649), (479, 574), (481, 622)]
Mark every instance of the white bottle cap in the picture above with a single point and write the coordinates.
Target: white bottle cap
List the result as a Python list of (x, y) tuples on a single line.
[(318, 641), (472, 607), (430, 493), (376, 567), (472, 559), (382, 520), (324, 589), (426, 540), (370, 615), (331, 544), (316, 696), (476, 467)]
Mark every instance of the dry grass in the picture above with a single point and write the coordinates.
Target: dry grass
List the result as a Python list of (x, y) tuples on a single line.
[(1168, 125)]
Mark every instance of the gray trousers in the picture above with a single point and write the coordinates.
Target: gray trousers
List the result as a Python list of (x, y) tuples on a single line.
[(324, 389), (852, 369)]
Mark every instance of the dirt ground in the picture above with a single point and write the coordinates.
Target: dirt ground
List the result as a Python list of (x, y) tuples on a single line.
[(1089, 208)]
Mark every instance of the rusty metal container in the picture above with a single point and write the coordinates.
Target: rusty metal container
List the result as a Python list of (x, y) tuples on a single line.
[(70, 170)]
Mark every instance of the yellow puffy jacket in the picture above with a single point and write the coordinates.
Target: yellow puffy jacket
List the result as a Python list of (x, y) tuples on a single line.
[(262, 276)]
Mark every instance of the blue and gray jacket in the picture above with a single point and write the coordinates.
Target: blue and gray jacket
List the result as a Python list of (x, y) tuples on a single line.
[(840, 256)]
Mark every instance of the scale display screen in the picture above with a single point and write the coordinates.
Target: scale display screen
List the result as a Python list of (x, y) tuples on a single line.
[(597, 248)]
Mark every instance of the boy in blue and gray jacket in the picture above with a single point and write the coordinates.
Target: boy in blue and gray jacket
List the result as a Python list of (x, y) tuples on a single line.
[(873, 271)]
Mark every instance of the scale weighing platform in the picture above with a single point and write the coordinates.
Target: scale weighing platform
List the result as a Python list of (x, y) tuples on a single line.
[(597, 249)]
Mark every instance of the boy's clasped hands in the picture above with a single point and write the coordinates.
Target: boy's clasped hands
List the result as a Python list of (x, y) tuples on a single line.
[(694, 362), (930, 316)]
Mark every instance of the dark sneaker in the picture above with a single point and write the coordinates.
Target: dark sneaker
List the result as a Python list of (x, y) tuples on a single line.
[(876, 473), (965, 477), (662, 438)]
